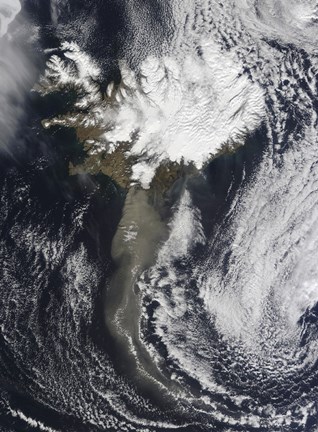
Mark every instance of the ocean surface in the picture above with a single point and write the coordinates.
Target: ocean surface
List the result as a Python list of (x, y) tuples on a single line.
[(124, 310)]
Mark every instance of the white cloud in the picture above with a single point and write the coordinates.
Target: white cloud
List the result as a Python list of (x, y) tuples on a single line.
[(291, 21), (177, 107), (15, 71), (8, 11)]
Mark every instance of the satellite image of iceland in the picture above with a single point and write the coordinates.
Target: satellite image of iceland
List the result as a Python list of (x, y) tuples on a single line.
[(158, 216)]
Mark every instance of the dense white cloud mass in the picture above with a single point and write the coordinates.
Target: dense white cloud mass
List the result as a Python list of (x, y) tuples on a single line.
[(201, 93), (15, 72), (186, 104), (239, 311), (8, 11), (174, 109), (186, 109), (242, 305), (218, 308), (290, 21)]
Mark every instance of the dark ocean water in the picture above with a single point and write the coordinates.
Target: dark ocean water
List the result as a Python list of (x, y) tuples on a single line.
[(60, 366), (38, 196), (37, 192)]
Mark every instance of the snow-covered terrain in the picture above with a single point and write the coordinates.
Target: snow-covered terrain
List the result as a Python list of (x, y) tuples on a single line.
[(197, 97), (183, 106), (227, 293)]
